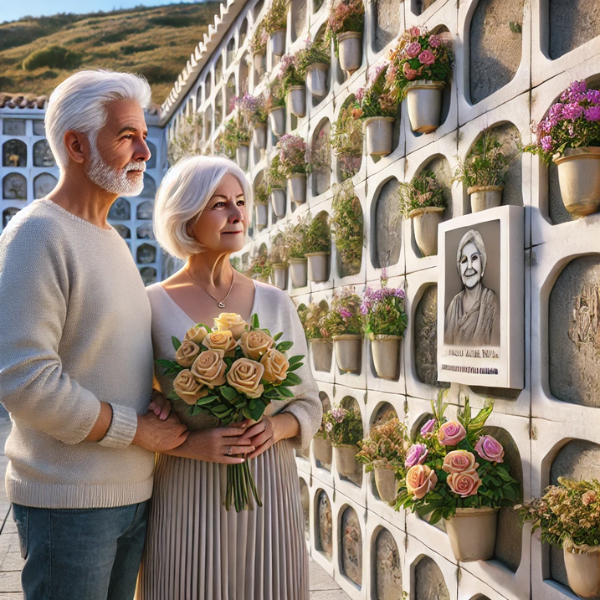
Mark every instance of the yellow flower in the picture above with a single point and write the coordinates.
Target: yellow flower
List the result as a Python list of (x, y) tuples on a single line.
[(276, 366), (221, 340), (245, 375), (255, 343), (232, 322), (187, 388), (186, 353)]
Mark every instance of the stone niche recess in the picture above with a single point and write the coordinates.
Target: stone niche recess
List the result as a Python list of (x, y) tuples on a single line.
[(577, 460), (572, 24), (321, 153), (326, 404), (351, 550), (429, 581), (496, 40), (299, 12), (386, 23), (574, 333), (420, 6), (386, 228), (323, 524), (388, 570), (305, 500), (350, 403)]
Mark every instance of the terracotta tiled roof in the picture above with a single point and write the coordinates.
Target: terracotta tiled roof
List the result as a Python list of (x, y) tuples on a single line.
[(22, 101)]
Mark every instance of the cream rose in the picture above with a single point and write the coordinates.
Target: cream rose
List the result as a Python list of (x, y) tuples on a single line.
[(420, 480), (255, 343), (187, 388), (209, 368), (464, 484), (186, 353), (196, 334), (245, 375), (458, 461), (221, 340), (276, 366), (231, 322)]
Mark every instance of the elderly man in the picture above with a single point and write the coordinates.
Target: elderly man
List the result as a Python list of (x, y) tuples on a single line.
[(76, 354), (471, 316)]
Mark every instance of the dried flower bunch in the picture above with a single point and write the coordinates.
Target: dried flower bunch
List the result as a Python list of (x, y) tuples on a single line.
[(385, 447), (260, 37), (318, 235), (260, 265), (275, 98), (568, 514), (313, 53), (347, 226), (278, 254), (452, 464), (252, 108), (288, 73), (344, 16), (187, 140), (573, 122), (422, 192), (276, 17), (261, 192), (347, 141), (311, 317), (343, 426), (292, 154), (275, 175), (383, 310), (295, 236), (344, 316), (418, 55), (486, 164), (374, 100)]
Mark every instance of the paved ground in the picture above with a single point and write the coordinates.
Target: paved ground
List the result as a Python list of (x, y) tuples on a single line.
[(322, 586)]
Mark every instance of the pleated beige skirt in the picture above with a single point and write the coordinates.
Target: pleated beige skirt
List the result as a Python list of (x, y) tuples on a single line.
[(196, 550)]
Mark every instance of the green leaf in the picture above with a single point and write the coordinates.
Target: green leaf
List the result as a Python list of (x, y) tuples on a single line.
[(176, 343), (276, 337), (295, 367), (166, 364), (257, 412), (286, 392), (206, 400), (196, 410), (296, 359), (292, 379), (283, 346), (255, 323), (172, 395), (228, 392)]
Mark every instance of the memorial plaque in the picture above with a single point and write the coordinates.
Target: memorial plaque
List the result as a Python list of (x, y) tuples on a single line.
[(120, 210), (13, 127), (42, 155), (146, 254), (324, 526), (39, 128), (144, 211), (14, 187), (148, 275), (352, 546), (14, 154), (7, 215), (43, 184), (388, 569)]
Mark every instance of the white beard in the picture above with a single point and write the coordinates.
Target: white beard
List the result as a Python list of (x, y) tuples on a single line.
[(112, 180)]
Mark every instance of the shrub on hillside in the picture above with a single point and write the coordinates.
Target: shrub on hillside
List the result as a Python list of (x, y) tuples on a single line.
[(53, 57)]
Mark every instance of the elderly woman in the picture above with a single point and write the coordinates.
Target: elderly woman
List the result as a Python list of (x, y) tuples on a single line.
[(195, 548)]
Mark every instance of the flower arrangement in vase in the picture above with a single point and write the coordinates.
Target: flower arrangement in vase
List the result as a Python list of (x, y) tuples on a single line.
[(384, 324), (275, 23), (254, 114), (279, 260), (317, 247), (261, 201), (319, 338), (347, 141), (295, 236), (260, 267), (313, 62), (344, 429), (347, 225), (292, 85), (456, 472), (292, 155), (570, 136), (423, 201), (275, 106), (345, 28), (276, 180), (420, 66), (235, 135), (258, 45)]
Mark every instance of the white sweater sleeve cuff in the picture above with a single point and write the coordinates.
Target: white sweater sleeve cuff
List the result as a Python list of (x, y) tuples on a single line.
[(122, 429)]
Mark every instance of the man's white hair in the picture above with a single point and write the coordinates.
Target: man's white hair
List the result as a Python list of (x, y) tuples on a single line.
[(79, 104), (182, 196)]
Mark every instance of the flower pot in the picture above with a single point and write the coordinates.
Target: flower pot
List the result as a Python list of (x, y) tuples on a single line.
[(387, 486), (385, 350), (579, 180), (583, 571), (425, 225), (348, 352), (278, 42), (350, 50), (241, 156), (279, 276), (262, 216), (298, 272), (296, 100), (484, 196), (322, 353), (257, 61), (318, 266), (472, 533), (277, 118), (278, 202), (297, 188), (424, 103), (322, 450), (345, 459), (316, 79), (259, 136), (379, 132)]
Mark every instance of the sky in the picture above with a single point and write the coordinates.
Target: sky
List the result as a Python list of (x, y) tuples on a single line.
[(10, 10)]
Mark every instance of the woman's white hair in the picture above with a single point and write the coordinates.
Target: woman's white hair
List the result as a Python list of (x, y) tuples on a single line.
[(475, 237), (182, 196), (79, 104)]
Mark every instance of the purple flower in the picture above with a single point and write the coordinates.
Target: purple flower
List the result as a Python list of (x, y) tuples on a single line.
[(360, 94), (593, 96), (328, 426), (339, 414), (435, 41), (428, 429), (416, 455), (592, 113), (345, 313), (546, 143), (572, 111)]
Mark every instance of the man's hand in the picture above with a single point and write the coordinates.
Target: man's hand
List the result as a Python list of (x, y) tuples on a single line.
[(159, 436), (159, 405)]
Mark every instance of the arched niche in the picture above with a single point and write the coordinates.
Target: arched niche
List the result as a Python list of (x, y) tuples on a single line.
[(299, 13), (145, 232), (348, 134), (429, 581), (230, 94), (148, 275), (386, 228), (149, 190), (387, 569), (386, 23), (120, 210), (208, 120), (123, 231), (208, 86), (14, 187), (13, 127), (418, 7), (257, 8), (323, 524), (495, 46), (43, 184), (571, 25), (144, 211), (219, 70), (350, 403), (199, 98), (326, 406), (384, 412), (321, 158), (574, 333), (151, 163), (146, 254), (351, 546), (218, 107), (8, 214), (243, 32), (244, 75), (230, 51), (14, 154), (39, 128), (305, 501), (42, 155)]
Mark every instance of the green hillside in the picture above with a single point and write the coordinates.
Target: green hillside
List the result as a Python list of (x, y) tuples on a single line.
[(36, 54)]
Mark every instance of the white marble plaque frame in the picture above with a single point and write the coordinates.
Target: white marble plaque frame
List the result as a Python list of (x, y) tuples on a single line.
[(486, 349)]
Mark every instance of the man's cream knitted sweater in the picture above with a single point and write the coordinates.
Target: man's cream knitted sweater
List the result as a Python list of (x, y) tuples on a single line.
[(74, 330)]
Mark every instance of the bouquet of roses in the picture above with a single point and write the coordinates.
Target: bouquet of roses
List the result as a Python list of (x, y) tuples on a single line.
[(232, 372)]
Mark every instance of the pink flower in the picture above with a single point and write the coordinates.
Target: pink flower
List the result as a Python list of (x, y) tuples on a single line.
[(414, 31), (458, 461), (416, 455), (409, 73), (451, 433), (489, 449), (426, 57), (428, 429), (420, 480), (413, 49), (464, 484), (592, 113), (588, 497), (546, 143), (435, 41)]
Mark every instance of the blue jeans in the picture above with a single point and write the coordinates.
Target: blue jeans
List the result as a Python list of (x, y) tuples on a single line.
[(91, 554)]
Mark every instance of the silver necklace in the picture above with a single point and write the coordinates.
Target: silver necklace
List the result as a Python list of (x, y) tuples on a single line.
[(220, 304)]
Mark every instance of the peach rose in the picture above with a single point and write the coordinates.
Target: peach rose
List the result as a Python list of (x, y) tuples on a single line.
[(458, 461), (231, 322), (276, 366), (221, 340), (420, 480), (255, 343), (186, 353), (464, 484), (450, 433), (187, 388), (196, 334), (209, 368), (245, 375)]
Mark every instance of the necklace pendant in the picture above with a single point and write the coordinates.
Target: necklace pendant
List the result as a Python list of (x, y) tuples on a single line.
[(221, 305)]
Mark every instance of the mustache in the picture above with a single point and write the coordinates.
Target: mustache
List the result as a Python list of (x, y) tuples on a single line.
[(135, 165)]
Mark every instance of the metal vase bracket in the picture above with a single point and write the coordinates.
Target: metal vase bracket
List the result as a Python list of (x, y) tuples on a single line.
[(424, 105)]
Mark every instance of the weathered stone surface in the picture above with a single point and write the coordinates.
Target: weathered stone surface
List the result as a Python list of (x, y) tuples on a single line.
[(510, 138), (13, 127), (351, 546), (388, 570), (299, 11), (42, 155), (324, 525), (574, 333), (229, 93), (387, 22), (495, 46), (43, 184), (350, 403), (149, 190), (385, 412), (387, 227), (120, 210), (14, 187), (39, 128), (321, 156), (244, 75), (429, 581), (572, 24), (305, 499)]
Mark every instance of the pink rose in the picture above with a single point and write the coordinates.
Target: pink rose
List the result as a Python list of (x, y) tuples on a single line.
[(409, 73), (588, 497), (426, 57), (428, 429), (464, 484), (451, 433), (414, 31), (416, 455), (420, 480), (435, 41), (489, 449), (413, 49), (459, 461)]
